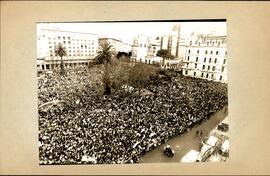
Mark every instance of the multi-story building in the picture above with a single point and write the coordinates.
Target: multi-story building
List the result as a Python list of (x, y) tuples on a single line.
[(80, 48), (153, 46), (206, 58), (117, 44), (140, 48), (171, 42)]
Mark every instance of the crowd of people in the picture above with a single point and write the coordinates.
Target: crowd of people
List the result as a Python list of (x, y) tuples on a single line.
[(120, 127)]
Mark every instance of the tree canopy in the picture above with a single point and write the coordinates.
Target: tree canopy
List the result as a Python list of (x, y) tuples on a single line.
[(104, 54), (165, 54), (60, 50)]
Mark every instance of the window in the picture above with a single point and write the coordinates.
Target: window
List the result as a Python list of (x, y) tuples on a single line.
[(198, 51), (220, 78), (194, 73), (211, 52), (208, 67), (196, 59), (210, 60), (190, 42), (195, 65), (207, 75), (186, 72), (205, 51), (188, 51), (202, 75), (215, 60), (203, 67), (216, 52), (204, 59), (213, 68), (224, 62), (188, 58), (222, 68), (225, 52)]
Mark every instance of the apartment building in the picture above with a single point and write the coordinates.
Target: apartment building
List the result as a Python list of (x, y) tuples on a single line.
[(206, 58), (80, 47)]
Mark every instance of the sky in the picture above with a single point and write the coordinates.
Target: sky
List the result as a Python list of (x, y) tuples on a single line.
[(126, 31)]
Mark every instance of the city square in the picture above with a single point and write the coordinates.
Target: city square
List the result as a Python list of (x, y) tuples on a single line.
[(105, 101)]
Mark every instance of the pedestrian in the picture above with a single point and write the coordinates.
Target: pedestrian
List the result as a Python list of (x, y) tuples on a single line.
[(197, 132)]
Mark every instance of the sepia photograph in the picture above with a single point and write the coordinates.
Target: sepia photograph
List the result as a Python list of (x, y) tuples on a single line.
[(131, 92)]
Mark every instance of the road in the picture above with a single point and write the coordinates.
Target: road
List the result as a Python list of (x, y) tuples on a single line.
[(182, 144)]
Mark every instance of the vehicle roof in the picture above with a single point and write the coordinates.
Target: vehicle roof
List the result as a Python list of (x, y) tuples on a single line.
[(225, 144), (191, 156), (212, 140)]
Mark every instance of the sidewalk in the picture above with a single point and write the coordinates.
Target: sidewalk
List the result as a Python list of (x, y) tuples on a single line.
[(184, 143)]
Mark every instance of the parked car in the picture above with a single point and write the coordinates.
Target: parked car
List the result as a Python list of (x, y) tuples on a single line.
[(207, 148), (190, 157), (225, 148)]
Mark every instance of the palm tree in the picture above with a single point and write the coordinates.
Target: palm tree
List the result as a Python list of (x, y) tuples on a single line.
[(60, 50), (104, 56)]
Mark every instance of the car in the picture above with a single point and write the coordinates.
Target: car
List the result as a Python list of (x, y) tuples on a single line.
[(207, 148), (205, 153), (168, 151), (212, 141), (191, 156), (225, 148)]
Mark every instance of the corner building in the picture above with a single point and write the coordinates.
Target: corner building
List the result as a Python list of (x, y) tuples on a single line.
[(206, 58)]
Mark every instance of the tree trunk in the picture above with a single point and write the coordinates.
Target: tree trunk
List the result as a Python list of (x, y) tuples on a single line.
[(62, 69), (107, 81)]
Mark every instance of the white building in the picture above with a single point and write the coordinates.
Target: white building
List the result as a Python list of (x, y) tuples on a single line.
[(140, 48), (153, 46), (171, 42), (80, 47), (206, 58), (117, 44)]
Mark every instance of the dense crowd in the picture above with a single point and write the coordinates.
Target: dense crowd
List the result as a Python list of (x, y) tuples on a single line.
[(120, 127)]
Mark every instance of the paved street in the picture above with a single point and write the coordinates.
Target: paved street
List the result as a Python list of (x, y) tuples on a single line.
[(184, 143)]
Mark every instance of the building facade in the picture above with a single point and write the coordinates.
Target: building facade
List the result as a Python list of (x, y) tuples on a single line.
[(140, 48), (117, 44), (80, 47), (171, 42), (206, 58)]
